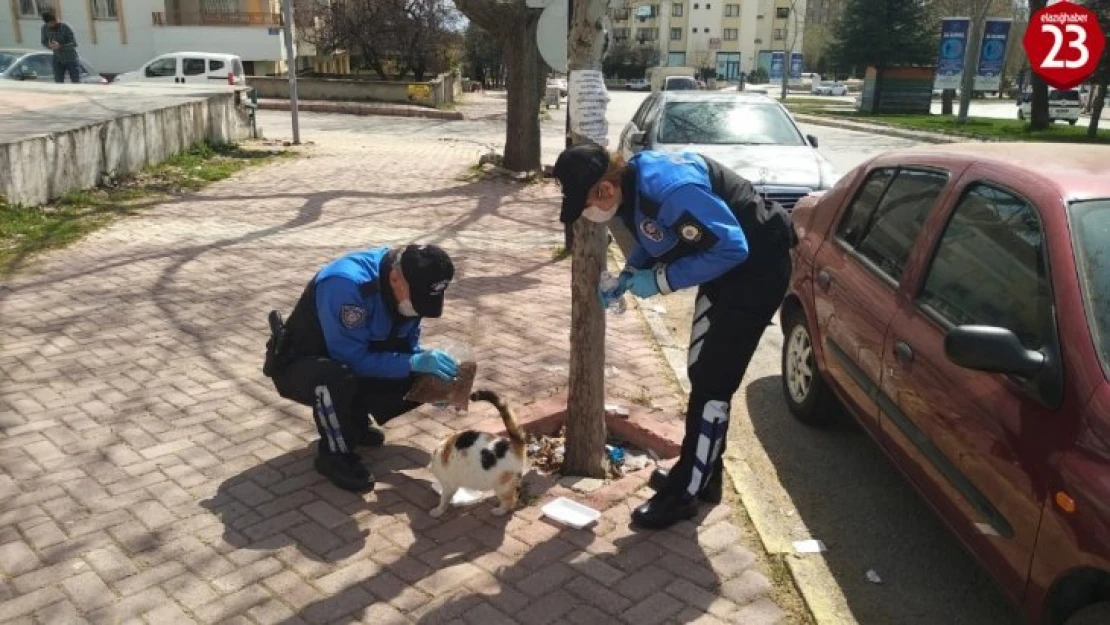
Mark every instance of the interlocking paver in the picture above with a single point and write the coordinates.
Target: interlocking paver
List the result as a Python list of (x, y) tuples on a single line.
[(151, 474)]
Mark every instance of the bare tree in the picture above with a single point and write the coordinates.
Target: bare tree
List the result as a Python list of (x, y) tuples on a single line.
[(514, 24), (787, 54)]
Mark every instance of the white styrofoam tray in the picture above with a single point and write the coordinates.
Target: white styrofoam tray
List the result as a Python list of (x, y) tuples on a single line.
[(571, 512)]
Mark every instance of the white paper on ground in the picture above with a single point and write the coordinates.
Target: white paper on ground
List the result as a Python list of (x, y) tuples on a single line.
[(587, 99), (570, 512), (808, 546)]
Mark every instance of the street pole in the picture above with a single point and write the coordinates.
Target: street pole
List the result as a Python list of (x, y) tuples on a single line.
[(568, 229), (585, 424), (291, 66)]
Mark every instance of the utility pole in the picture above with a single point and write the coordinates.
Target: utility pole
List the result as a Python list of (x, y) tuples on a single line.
[(291, 66), (586, 432)]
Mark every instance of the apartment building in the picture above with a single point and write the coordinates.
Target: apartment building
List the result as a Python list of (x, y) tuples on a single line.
[(120, 35), (728, 36)]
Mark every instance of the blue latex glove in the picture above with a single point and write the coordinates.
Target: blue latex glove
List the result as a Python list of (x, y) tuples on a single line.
[(607, 297), (436, 362), (643, 283)]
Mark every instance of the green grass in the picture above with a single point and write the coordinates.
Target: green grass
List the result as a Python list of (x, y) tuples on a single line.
[(25, 230), (974, 128)]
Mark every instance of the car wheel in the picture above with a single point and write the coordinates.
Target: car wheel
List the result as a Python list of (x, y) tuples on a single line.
[(806, 394), (1094, 614), (1072, 121), (1021, 115)]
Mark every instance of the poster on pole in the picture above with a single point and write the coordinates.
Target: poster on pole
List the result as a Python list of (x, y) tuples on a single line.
[(796, 68), (953, 46), (587, 100), (992, 54), (777, 61)]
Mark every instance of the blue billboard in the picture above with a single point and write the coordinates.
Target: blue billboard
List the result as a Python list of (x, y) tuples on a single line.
[(796, 66), (953, 47), (992, 54), (775, 72)]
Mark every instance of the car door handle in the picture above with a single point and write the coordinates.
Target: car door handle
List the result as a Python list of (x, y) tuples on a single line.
[(903, 351), (824, 278)]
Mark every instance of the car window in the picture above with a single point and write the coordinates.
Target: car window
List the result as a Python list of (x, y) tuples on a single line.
[(215, 66), (238, 67), (1070, 95), (41, 64), (723, 122), (6, 60), (192, 67), (990, 268), (883, 230), (1090, 231), (641, 113), (160, 68)]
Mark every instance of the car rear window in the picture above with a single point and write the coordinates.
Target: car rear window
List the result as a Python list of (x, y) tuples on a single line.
[(1071, 95), (680, 84)]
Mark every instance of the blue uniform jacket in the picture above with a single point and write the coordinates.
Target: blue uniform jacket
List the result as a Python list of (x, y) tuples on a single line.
[(360, 329), (681, 227)]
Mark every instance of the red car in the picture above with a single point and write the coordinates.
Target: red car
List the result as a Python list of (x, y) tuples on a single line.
[(956, 300)]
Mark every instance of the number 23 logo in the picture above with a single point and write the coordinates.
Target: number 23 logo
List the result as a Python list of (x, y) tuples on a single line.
[(1058, 37)]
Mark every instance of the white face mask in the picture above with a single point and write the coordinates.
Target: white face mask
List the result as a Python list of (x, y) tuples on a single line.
[(597, 215), (405, 308)]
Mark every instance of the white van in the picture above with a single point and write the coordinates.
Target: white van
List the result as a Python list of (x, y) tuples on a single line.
[(189, 67)]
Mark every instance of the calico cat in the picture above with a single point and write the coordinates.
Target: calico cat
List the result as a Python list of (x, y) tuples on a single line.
[(481, 461)]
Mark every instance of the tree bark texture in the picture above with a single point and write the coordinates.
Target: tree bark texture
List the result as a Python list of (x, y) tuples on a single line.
[(971, 59), (514, 26), (586, 431), (1038, 105), (1098, 95)]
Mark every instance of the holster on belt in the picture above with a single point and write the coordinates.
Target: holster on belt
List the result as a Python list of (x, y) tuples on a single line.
[(276, 356)]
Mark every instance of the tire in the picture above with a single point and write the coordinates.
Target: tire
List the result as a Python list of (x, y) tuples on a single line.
[(1021, 115), (1072, 122), (806, 393), (1094, 614)]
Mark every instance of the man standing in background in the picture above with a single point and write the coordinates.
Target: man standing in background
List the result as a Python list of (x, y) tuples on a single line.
[(59, 37)]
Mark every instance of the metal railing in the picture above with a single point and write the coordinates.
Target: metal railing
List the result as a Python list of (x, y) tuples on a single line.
[(222, 18)]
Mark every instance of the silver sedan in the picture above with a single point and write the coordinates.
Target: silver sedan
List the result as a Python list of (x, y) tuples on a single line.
[(16, 64)]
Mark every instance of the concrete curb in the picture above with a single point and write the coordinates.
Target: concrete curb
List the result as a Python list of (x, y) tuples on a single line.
[(878, 129), (811, 574), (359, 108)]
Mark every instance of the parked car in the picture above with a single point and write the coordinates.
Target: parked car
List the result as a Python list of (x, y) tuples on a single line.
[(638, 84), (955, 300), (830, 88), (1063, 105), (680, 83), (752, 134), (189, 67), (17, 64), (559, 83)]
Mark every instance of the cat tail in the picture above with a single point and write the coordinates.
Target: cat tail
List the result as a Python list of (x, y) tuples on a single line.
[(512, 427)]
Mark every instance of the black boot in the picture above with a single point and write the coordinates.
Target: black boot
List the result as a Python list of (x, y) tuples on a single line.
[(345, 471), (664, 510), (710, 494), (372, 436)]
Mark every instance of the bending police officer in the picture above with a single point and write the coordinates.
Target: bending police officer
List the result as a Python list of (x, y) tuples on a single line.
[(696, 223)]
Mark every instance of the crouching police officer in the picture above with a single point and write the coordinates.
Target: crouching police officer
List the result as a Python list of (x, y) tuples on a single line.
[(352, 345), (696, 223)]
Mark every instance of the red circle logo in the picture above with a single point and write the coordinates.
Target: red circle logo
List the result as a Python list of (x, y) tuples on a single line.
[(1064, 43)]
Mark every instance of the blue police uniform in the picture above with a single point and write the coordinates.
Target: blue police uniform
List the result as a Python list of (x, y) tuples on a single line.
[(697, 223)]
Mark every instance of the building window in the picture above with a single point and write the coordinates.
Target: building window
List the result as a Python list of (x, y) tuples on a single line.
[(696, 5), (731, 34), (732, 10), (621, 15), (620, 34), (676, 34), (780, 34), (104, 9), (219, 6), (676, 10), (647, 34), (708, 6), (694, 30), (34, 8), (782, 12)]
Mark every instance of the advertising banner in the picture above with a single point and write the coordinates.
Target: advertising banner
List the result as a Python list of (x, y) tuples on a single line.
[(992, 54), (776, 66), (953, 46)]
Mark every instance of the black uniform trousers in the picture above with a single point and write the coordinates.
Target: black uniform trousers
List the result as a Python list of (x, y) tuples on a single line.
[(341, 400), (730, 315)]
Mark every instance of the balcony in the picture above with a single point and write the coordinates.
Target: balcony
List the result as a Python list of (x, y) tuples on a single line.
[(222, 18)]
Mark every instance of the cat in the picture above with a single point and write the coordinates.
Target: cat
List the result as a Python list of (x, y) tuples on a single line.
[(482, 461)]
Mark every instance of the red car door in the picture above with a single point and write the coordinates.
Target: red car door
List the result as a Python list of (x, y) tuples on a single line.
[(857, 276), (969, 439)]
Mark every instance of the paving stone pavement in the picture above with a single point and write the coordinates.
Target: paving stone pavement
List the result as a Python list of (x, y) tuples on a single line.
[(149, 472)]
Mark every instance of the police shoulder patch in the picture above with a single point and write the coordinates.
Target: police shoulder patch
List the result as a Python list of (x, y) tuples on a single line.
[(651, 230), (351, 315), (693, 232)]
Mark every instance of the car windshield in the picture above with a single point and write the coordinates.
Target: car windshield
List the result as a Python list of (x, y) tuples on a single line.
[(1090, 229), (1070, 95), (727, 123), (6, 60)]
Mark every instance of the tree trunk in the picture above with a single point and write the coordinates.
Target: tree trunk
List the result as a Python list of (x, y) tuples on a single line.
[(971, 61), (1098, 96), (586, 432), (946, 98), (1038, 106), (522, 62)]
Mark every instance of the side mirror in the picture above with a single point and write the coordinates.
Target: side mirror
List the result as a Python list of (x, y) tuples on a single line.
[(992, 349), (812, 140), (638, 139), (27, 73)]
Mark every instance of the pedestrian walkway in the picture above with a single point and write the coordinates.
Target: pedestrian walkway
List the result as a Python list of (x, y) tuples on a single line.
[(149, 473)]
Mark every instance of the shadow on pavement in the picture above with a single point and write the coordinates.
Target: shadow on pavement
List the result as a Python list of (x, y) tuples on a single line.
[(851, 497)]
